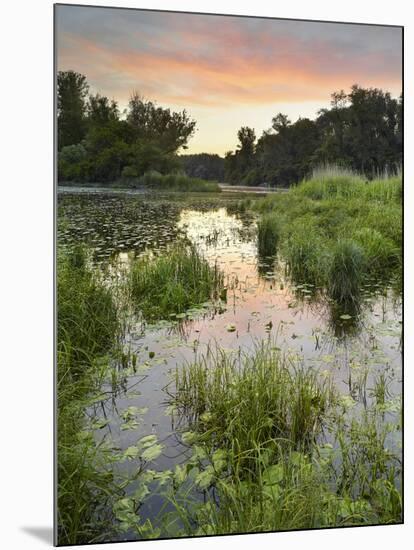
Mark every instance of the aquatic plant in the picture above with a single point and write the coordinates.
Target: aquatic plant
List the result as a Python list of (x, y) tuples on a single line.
[(274, 449), (88, 326), (268, 234), (178, 182), (88, 323), (250, 401), (346, 272), (306, 255), (173, 282)]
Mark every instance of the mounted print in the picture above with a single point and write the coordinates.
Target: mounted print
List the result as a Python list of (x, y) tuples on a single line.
[(228, 274)]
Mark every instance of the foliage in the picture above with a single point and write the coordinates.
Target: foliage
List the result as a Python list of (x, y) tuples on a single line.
[(148, 139), (172, 282), (361, 131), (274, 449), (268, 235), (339, 231), (177, 182), (203, 165), (72, 91)]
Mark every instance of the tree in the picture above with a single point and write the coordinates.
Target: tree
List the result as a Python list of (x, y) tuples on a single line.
[(101, 110), (203, 165), (72, 91), (247, 139), (171, 130)]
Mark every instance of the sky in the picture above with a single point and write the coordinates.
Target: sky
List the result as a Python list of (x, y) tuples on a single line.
[(227, 72)]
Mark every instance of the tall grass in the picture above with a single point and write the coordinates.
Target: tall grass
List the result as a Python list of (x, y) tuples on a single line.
[(268, 235), (306, 256), (260, 427), (88, 326), (173, 282), (330, 223), (88, 323), (346, 272), (257, 402), (178, 182), (338, 182)]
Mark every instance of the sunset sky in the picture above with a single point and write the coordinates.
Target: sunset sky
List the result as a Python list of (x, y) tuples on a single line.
[(227, 72)]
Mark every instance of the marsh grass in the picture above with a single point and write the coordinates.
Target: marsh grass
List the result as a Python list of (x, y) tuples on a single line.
[(346, 271), (268, 235), (88, 323), (306, 256), (250, 401), (276, 448), (178, 182), (173, 282), (339, 230), (88, 328)]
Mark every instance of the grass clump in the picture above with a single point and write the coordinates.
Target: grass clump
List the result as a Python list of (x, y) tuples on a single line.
[(346, 272), (254, 405), (339, 230), (173, 282), (306, 256), (178, 182), (260, 427), (87, 315), (381, 253), (268, 235)]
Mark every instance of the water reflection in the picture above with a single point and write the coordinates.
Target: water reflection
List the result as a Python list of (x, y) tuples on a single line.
[(355, 347)]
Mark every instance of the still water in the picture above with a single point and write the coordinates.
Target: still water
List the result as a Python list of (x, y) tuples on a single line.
[(261, 303)]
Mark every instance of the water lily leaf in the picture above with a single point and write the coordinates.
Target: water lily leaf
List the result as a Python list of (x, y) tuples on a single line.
[(141, 492), (189, 437), (147, 441), (180, 474), (130, 425), (205, 478), (131, 453), (152, 452), (163, 477), (99, 423)]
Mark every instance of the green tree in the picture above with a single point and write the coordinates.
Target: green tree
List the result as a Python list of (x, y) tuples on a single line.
[(101, 110), (72, 91), (171, 130)]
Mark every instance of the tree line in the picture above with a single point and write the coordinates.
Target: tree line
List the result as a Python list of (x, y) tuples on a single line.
[(361, 130), (96, 145)]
